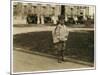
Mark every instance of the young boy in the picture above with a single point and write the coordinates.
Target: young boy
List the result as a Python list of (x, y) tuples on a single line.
[(60, 36)]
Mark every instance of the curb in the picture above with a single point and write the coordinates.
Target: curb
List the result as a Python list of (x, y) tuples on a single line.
[(54, 57)]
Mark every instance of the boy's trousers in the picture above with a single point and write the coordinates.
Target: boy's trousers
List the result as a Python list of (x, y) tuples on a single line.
[(60, 47)]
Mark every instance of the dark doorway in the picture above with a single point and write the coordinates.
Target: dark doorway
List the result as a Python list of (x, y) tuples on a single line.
[(62, 15), (63, 10)]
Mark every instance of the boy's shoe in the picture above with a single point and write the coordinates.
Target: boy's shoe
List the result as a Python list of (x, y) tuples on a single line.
[(62, 59), (59, 61)]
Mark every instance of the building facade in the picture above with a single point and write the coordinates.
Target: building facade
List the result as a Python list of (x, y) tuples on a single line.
[(46, 13)]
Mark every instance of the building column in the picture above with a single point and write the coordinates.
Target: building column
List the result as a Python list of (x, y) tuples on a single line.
[(38, 19), (42, 19)]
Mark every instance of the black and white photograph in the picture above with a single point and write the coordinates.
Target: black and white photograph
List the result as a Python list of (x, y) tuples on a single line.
[(52, 37)]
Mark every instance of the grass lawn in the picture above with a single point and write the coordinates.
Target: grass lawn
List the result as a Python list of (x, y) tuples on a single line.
[(80, 45)]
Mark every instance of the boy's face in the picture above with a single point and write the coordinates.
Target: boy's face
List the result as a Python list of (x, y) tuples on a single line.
[(61, 22)]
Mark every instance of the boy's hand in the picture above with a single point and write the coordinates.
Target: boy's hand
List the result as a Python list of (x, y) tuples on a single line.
[(66, 36)]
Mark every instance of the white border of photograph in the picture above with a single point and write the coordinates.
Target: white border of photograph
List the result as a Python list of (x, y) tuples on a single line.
[(5, 37)]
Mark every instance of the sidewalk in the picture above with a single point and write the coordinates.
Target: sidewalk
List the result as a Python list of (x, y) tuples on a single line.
[(31, 61), (38, 28), (70, 25), (54, 57)]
